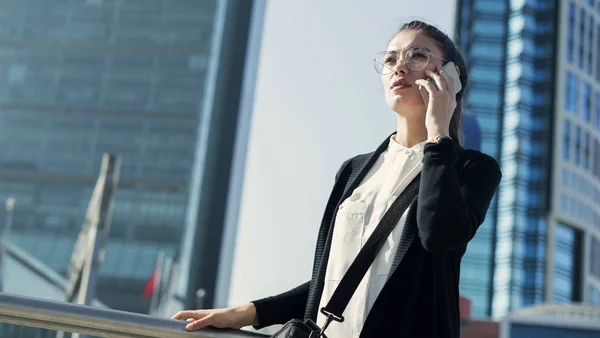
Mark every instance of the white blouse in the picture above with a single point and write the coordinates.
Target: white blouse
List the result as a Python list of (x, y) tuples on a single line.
[(356, 219)]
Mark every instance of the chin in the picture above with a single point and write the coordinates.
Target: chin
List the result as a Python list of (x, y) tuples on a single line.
[(400, 101)]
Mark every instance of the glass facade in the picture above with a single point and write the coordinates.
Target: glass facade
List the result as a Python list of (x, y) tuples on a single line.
[(594, 271), (578, 194), (571, 93), (482, 38), (595, 257), (87, 77), (511, 80), (594, 296), (567, 265)]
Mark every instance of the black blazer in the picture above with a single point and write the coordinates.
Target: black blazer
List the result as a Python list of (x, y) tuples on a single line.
[(420, 298)]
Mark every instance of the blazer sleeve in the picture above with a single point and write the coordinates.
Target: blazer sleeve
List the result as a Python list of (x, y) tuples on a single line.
[(283, 307), (452, 204)]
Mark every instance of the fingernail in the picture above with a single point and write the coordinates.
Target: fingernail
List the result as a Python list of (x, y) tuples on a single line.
[(189, 326)]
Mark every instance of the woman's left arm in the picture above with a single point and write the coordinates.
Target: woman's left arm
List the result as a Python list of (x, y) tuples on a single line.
[(453, 204)]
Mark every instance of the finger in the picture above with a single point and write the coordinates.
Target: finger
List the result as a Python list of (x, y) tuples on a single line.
[(190, 320), (182, 314), (195, 314), (439, 81), (199, 324), (447, 79), (424, 95), (427, 85)]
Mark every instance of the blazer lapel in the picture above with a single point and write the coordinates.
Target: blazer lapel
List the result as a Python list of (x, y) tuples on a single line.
[(361, 168)]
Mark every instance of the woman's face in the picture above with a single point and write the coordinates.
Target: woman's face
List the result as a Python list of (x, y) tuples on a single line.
[(399, 86)]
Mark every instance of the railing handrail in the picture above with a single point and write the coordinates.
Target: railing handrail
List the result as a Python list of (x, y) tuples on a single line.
[(62, 316)]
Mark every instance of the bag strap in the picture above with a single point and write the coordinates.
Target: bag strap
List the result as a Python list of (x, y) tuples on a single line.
[(359, 267)]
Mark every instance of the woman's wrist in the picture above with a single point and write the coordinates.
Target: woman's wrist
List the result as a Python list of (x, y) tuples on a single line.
[(434, 132), (249, 317)]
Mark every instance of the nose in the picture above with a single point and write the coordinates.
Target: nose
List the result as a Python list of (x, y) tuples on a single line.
[(401, 67)]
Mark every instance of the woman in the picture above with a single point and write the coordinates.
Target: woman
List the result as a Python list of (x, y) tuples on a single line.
[(417, 296)]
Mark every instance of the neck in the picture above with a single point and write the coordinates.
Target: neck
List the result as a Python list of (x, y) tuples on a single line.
[(411, 130)]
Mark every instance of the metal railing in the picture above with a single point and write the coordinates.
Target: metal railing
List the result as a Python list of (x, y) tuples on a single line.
[(62, 316)]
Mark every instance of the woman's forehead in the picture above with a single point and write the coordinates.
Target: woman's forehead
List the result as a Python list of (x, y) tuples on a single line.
[(409, 38)]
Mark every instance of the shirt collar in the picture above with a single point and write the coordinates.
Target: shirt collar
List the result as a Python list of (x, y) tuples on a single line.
[(397, 147)]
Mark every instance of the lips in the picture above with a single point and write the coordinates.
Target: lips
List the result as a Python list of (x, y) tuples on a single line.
[(400, 83)]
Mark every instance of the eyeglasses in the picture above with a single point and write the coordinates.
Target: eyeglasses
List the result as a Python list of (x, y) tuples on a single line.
[(416, 58)]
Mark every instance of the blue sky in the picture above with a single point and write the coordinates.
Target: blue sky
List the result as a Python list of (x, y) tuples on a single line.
[(318, 101)]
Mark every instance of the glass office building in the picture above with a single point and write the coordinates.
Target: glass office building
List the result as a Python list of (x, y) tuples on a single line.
[(79, 78), (575, 266), (509, 48), (481, 37), (535, 89)]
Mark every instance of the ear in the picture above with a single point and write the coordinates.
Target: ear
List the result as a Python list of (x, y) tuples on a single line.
[(457, 70)]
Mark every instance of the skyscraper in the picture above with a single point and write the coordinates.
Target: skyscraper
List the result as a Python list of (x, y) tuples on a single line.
[(80, 78), (574, 264), (510, 50), (482, 39)]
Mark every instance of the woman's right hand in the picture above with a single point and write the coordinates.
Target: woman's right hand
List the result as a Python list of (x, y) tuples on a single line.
[(227, 318)]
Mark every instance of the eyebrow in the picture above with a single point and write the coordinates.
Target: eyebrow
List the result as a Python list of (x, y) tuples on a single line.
[(398, 50)]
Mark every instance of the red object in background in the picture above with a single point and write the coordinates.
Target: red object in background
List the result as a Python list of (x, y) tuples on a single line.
[(152, 282), (464, 306), (475, 328)]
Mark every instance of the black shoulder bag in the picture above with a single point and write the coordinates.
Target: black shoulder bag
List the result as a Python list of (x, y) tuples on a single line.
[(296, 328)]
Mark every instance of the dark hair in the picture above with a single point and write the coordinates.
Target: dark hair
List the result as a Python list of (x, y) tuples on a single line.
[(451, 53)]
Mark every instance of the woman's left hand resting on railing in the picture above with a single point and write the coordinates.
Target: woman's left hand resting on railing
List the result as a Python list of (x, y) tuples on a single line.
[(227, 318)]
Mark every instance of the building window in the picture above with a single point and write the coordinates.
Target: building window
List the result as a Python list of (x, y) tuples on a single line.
[(564, 177), (595, 257), (586, 151), (567, 264), (590, 42), (587, 102), (489, 7), (566, 140), (581, 36), (571, 93), (592, 152), (594, 296), (490, 29), (487, 50), (596, 161), (597, 104), (598, 46), (578, 145), (564, 206), (571, 33)]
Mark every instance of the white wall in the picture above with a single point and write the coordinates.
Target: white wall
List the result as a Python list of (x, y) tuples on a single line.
[(318, 102)]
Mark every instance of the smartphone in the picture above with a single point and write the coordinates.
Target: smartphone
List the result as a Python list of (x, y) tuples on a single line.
[(450, 69)]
